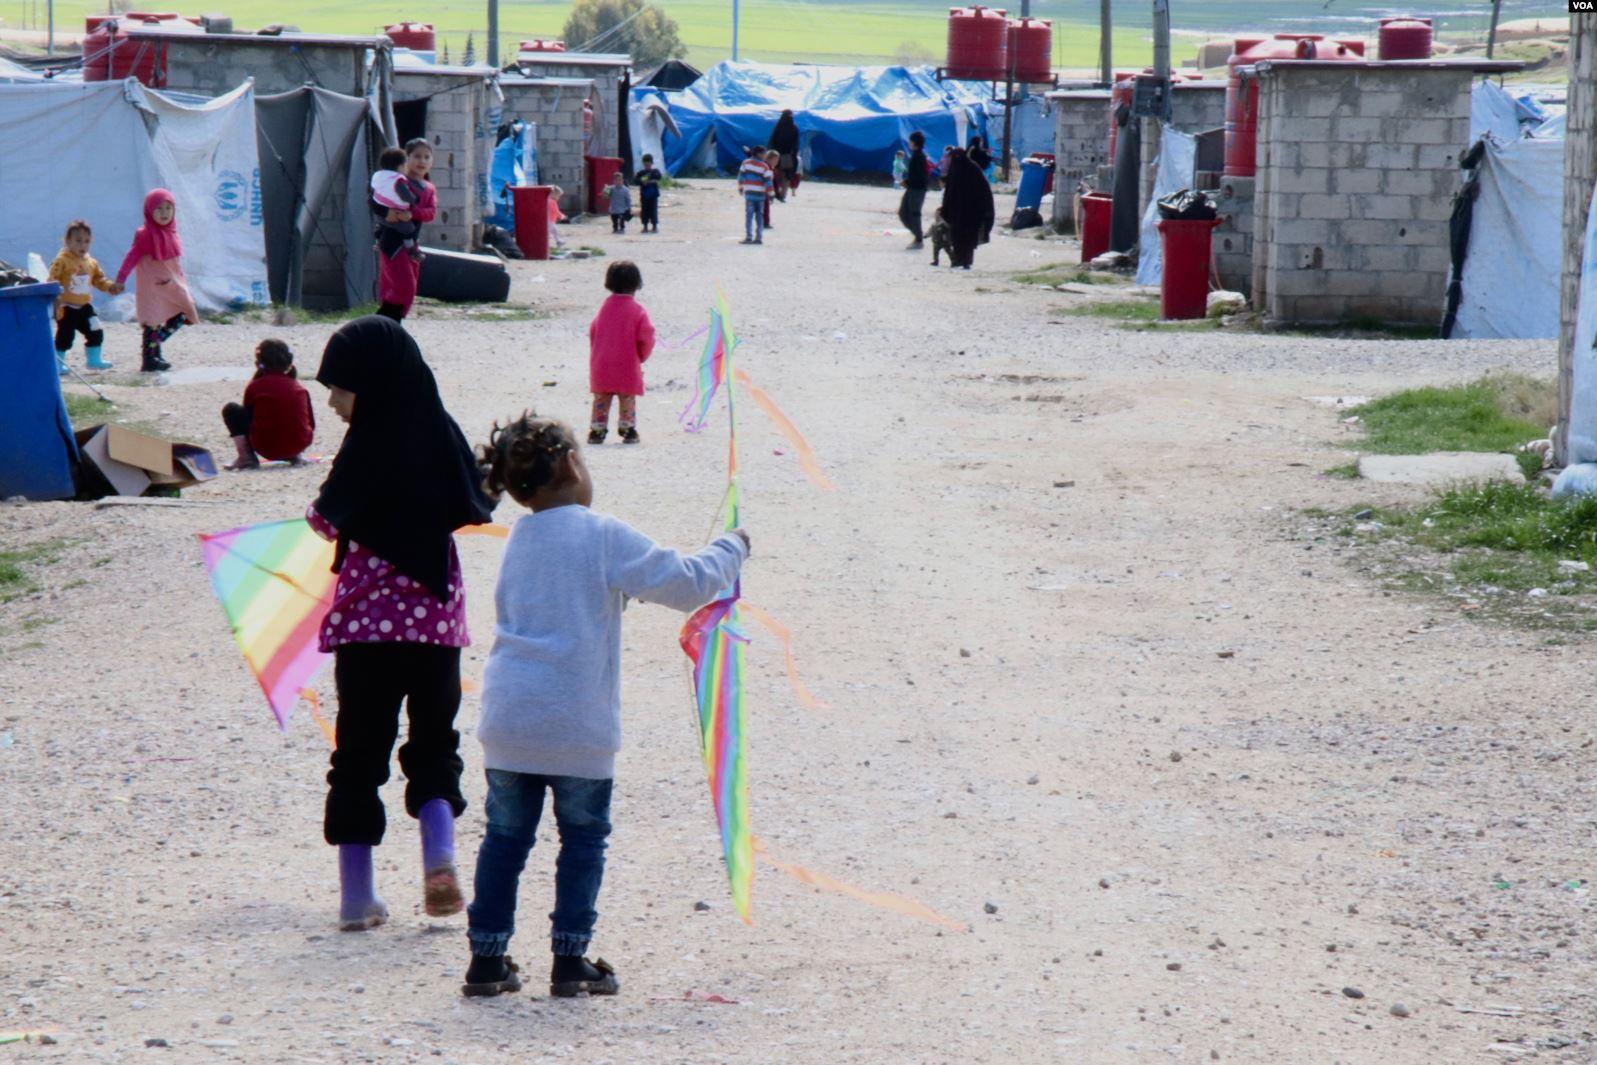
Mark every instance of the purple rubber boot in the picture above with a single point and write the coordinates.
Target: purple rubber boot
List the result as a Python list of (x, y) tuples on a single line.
[(360, 908), (440, 884)]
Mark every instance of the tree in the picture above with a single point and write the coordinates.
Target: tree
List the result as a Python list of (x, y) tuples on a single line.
[(644, 31), (470, 58)]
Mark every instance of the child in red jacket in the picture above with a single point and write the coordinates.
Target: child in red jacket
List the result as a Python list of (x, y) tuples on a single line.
[(275, 421), (620, 340)]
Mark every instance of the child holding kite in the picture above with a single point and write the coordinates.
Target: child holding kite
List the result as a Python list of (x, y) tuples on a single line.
[(620, 339), (551, 699), (403, 481), (161, 294)]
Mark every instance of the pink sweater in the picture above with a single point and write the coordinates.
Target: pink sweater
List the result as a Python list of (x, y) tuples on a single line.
[(159, 291), (619, 342)]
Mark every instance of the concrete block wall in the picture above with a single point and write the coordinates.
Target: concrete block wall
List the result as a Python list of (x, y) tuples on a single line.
[(555, 106), (1358, 165), (1233, 237), (213, 64), (1195, 106), (455, 104), (606, 79), (1081, 147)]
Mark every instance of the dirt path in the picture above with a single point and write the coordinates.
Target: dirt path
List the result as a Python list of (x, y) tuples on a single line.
[(1188, 855)]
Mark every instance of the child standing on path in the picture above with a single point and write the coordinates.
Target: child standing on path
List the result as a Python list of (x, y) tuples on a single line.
[(649, 194), (620, 203), (551, 699), (620, 339), (772, 159), (275, 421), (77, 273), (161, 292), (754, 185), (403, 481)]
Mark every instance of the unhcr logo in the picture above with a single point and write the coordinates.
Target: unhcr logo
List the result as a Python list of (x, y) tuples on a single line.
[(232, 195)]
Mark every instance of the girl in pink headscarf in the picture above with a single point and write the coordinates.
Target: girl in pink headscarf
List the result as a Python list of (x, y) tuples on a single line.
[(161, 292)]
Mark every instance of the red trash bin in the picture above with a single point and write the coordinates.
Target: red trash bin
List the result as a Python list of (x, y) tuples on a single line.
[(600, 169), (531, 206), (1184, 277), (1096, 210)]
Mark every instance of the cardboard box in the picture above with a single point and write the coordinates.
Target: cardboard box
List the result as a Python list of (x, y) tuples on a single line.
[(119, 461)]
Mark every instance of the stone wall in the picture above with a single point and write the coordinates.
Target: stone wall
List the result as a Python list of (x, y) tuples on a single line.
[(455, 103), (554, 105), (213, 64), (1358, 164), (1081, 146), (1195, 107), (606, 76)]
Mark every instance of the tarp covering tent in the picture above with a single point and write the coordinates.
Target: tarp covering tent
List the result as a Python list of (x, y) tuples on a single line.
[(1510, 283), (651, 122), (93, 150), (673, 74), (850, 118), (37, 452), (1583, 395), (316, 146)]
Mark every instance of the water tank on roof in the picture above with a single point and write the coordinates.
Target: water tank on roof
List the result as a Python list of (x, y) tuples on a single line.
[(113, 51), (1242, 94), (1405, 38), (417, 36), (541, 45), (977, 44), (1031, 47)]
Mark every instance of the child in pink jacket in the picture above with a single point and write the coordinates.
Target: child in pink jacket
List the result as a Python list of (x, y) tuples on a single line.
[(620, 340), (161, 292)]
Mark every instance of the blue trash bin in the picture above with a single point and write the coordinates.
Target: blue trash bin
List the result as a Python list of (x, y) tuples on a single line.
[(1033, 176), (37, 451)]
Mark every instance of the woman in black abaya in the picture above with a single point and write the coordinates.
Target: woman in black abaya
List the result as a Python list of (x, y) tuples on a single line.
[(967, 207)]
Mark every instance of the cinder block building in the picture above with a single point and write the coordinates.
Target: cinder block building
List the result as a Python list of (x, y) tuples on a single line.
[(555, 106)]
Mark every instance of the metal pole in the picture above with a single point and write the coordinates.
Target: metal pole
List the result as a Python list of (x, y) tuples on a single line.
[(493, 33), (49, 38), (1009, 111), (1491, 34), (1161, 38), (1105, 42), (734, 31)]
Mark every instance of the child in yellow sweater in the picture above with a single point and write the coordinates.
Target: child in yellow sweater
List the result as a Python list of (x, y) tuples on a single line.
[(77, 272)]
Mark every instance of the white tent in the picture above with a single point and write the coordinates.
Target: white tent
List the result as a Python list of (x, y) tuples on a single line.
[(92, 150), (1510, 280)]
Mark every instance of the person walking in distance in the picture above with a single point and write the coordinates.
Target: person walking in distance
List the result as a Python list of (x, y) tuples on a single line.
[(909, 208)]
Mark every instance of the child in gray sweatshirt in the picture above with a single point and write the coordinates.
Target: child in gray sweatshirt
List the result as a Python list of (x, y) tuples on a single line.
[(551, 698)]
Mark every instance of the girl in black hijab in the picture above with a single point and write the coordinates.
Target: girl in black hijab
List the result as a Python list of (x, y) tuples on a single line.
[(784, 141), (967, 208), (403, 481)]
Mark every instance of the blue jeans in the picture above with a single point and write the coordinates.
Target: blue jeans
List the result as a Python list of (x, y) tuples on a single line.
[(515, 804), (754, 217)]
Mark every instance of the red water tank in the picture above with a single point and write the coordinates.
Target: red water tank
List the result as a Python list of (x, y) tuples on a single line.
[(977, 44), (541, 45), (1405, 38), (417, 36), (114, 50), (1242, 93), (1031, 49), (1120, 93)]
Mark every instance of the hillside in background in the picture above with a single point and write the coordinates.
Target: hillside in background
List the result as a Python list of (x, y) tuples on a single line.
[(832, 31)]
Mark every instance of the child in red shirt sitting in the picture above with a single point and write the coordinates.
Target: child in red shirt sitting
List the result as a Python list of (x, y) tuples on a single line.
[(275, 420)]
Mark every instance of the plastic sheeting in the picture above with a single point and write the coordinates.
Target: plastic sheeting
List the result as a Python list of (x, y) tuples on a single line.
[(515, 162), (850, 118), (1583, 398), (94, 150), (651, 122), (1178, 155), (1514, 234), (1492, 110)]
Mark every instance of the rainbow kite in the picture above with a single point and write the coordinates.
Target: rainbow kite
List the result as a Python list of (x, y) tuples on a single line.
[(713, 639), (275, 582)]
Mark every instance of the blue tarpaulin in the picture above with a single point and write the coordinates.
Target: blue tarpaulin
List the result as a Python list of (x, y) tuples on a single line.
[(850, 118)]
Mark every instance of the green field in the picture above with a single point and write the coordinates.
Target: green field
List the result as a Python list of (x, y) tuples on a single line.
[(836, 31)]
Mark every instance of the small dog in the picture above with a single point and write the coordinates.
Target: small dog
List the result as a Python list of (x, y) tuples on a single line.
[(942, 238)]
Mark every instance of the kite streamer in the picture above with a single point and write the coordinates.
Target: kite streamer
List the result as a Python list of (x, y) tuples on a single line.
[(275, 582), (785, 426), (884, 900), (784, 636)]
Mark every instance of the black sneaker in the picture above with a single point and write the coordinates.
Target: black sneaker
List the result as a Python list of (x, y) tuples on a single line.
[(596, 436), (629, 435), (488, 977), (570, 977)]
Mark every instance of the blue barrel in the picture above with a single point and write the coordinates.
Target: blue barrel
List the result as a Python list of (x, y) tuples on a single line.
[(37, 452), (1033, 176)]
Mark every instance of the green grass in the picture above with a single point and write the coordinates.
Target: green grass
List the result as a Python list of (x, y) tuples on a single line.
[(1132, 310), (86, 410), (1348, 471), (1492, 414), (16, 566), (1066, 274)]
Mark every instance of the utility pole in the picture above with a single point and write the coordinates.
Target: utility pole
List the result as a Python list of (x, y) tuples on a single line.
[(49, 36), (734, 31), (1105, 34), (1491, 34), (493, 33), (1580, 169), (1161, 38)]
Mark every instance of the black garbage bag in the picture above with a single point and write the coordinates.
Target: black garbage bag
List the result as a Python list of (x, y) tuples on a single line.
[(1188, 205), (14, 275), (1025, 218)]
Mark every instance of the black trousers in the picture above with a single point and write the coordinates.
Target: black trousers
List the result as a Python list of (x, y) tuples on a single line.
[(909, 209), (237, 418), (373, 679), (77, 320), (651, 212)]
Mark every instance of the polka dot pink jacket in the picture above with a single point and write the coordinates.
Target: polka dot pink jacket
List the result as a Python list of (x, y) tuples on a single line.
[(375, 603)]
